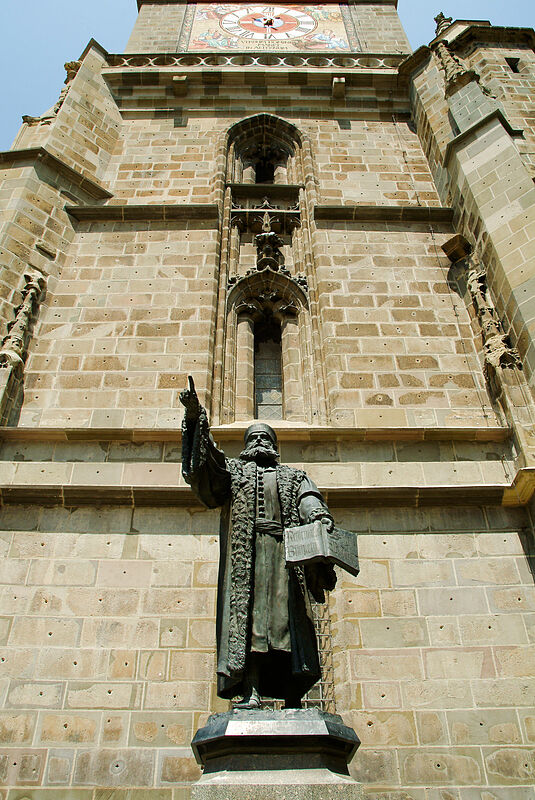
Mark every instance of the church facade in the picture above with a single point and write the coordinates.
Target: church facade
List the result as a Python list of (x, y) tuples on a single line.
[(333, 234)]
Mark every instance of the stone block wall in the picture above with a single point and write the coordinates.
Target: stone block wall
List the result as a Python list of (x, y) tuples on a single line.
[(365, 161), (513, 89), (371, 163), (159, 26), (397, 339), (130, 318), (434, 640), (134, 312), (156, 162), (379, 28), (107, 654), (488, 181)]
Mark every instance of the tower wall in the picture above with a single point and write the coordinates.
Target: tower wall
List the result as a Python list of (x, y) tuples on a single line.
[(404, 306)]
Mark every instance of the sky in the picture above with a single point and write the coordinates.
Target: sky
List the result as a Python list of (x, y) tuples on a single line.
[(38, 37)]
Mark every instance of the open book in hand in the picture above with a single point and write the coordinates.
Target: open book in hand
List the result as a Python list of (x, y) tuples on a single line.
[(313, 542)]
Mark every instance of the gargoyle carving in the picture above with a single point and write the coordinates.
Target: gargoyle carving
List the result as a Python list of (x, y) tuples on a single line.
[(456, 73), (498, 351), (13, 347)]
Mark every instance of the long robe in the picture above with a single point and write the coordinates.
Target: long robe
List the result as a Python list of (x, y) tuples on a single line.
[(263, 605)]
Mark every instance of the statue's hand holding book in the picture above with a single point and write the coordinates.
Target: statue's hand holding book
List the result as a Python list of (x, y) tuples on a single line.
[(316, 541)]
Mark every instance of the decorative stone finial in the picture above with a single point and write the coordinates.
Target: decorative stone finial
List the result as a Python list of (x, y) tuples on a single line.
[(442, 23)]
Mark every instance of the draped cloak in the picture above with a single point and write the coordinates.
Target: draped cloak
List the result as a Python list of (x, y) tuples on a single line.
[(263, 605)]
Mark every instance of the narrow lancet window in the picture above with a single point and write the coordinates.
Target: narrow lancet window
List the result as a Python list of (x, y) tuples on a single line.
[(268, 371)]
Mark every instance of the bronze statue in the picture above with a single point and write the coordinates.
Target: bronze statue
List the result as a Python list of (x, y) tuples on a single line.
[(266, 641)]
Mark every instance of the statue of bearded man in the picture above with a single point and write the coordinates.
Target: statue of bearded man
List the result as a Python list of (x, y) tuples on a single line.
[(266, 641)]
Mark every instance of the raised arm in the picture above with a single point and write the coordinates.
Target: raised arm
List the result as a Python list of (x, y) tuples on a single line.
[(203, 465)]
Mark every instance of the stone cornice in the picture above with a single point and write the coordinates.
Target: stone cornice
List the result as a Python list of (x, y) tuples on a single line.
[(415, 61), (412, 213), (361, 496), (149, 211), (343, 483), (168, 211), (286, 432), (494, 35), (34, 155)]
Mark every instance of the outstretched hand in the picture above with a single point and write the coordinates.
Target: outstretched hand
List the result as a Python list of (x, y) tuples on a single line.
[(190, 401)]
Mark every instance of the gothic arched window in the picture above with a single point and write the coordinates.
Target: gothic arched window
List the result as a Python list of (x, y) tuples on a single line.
[(268, 369), (267, 326)]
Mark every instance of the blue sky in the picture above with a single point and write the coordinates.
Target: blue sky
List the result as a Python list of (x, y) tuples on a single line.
[(38, 37)]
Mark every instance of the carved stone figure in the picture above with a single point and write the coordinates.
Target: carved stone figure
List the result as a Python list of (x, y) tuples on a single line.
[(266, 641), (497, 348), (13, 346), (268, 246), (456, 72)]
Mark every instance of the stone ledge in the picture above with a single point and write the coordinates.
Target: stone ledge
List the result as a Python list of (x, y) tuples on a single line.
[(366, 70), (135, 211), (497, 115), (522, 488), (181, 496), (285, 433), (359, 213), (33, 154)]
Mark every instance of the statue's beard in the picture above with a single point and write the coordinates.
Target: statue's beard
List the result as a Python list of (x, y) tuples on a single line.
[(262, 454)]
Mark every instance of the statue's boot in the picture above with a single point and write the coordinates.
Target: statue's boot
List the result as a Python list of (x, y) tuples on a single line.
[(294, 701), (250, 700)]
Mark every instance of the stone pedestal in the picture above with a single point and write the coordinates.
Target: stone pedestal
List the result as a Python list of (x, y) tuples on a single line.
[(294, 754)]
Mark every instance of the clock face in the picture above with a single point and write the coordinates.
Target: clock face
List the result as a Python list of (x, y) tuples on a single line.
[(275, 23)]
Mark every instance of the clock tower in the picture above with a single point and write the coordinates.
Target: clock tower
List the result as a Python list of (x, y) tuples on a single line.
[(333, 235)]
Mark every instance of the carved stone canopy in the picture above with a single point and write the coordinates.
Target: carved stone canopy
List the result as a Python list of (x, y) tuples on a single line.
[(267, 293)]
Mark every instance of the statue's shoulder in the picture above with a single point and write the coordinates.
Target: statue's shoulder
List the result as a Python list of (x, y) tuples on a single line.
[(234, 465), (290, 474)]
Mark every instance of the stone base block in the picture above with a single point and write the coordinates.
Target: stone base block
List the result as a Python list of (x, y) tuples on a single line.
[(275, 755), (319, 791)]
